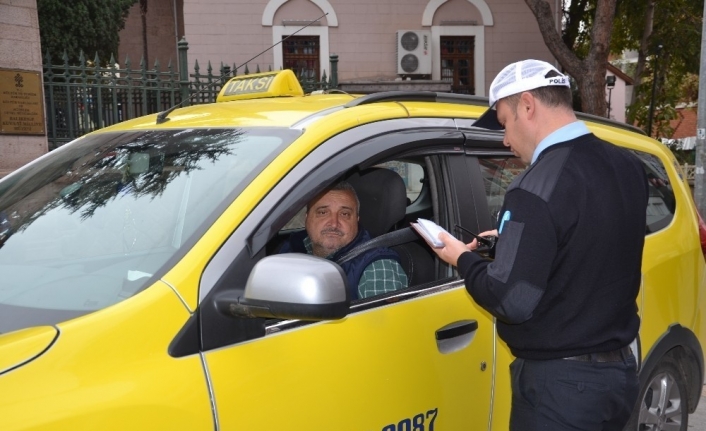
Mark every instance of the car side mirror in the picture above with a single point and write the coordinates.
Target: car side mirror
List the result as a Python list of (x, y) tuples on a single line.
[(290, 286)]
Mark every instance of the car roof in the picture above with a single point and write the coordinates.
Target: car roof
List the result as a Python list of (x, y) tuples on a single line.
[(289, 111), (337, 111), (268, 112)]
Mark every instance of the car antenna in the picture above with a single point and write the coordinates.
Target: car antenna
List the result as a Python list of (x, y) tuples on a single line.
[(162, 116)]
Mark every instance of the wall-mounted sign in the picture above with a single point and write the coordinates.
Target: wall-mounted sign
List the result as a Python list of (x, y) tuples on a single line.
[(21, 103)]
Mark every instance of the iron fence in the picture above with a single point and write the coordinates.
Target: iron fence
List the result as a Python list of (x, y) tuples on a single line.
[(689, 171), (90, 95)]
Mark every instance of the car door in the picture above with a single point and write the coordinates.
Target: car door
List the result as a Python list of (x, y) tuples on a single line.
[(419, 359)]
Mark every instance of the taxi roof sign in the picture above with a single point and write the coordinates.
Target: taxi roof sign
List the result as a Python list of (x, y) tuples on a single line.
[(259, 85)]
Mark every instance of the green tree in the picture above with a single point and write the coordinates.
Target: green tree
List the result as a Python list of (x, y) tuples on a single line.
[(90, 26), (593, 29), (667, 37)]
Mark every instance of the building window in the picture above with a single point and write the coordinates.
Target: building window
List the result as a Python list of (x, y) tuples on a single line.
[(457, 63), (301, 54)]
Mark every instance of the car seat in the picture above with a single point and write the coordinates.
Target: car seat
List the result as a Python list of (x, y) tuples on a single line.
[(383, 202)]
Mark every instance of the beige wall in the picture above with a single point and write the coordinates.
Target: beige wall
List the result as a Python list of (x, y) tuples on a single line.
[(227, 31), (362, 32), (19, 49), (161, 35)]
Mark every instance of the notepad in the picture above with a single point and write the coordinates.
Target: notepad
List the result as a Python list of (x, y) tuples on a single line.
[(430, 232)]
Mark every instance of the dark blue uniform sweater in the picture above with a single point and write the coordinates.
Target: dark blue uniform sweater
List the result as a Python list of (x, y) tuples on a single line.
[(567, 268)]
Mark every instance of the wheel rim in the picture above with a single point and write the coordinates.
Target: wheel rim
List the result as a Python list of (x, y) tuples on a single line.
[(661, 407)]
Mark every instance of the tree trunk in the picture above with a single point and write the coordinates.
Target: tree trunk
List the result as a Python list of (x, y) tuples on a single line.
[(590, 72), (593, 91), (643, 51)]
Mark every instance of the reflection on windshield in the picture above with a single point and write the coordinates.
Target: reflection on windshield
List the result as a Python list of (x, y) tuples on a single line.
[(93, 223)]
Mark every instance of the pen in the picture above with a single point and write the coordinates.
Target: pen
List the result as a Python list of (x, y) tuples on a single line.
[(506, 217), (487, 242)]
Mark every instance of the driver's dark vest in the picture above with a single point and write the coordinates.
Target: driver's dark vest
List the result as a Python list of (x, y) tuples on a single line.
[(355, 267)]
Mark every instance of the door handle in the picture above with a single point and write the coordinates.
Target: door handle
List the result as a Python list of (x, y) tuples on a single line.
[(456, 329), (455, 336)]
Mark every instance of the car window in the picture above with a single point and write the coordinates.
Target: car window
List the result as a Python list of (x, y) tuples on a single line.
[(499, 172), (662, 203), (297, 222), (89, 225), (412, 174)]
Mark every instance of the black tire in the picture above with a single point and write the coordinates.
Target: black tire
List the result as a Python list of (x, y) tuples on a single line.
[(662, 404)]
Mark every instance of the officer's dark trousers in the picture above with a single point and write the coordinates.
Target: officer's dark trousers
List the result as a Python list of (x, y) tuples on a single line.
[(564, 394)]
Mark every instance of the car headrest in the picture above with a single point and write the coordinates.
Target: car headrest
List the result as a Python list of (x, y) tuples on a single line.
[(383, 198)]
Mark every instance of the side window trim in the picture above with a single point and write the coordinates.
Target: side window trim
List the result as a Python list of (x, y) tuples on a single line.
[(403, 295)]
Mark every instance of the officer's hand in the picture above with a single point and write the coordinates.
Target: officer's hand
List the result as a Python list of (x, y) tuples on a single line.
[(452, 249), (474, 244), (493, 232)]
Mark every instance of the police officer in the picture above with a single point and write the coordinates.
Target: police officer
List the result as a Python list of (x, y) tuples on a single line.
[(566, 273)]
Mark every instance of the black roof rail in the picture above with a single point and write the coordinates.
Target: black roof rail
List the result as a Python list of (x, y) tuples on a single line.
[(465, 99), (418, 96), (609, 122)]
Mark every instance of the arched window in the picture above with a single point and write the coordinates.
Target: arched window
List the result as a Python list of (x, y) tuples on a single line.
[(460, 48), (303, 48)]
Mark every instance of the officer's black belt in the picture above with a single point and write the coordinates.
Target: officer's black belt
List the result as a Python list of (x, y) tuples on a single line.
[(612, 356)]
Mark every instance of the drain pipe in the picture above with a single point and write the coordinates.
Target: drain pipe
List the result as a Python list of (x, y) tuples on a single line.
[(176, 23), (557, 12)]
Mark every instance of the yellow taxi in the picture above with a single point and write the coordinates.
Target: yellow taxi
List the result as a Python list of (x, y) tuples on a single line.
[(141, 285)]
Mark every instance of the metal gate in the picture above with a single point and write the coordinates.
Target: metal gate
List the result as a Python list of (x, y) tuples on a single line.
[(85, 97)]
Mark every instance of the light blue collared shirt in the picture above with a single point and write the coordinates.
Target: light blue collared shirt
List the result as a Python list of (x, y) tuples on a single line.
[(566, 133)]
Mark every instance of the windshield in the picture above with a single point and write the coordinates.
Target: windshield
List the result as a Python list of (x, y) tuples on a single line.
[(95, 221)]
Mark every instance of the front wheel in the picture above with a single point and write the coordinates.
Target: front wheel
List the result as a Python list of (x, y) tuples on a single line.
[(662, 402)]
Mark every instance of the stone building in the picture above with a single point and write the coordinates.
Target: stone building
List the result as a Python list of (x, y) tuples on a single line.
[(22, 124), (462, 42)]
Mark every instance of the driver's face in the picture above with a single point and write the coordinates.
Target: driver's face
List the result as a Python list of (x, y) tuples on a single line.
[(332, 221)]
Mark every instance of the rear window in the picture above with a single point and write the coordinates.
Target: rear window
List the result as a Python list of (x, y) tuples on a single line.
[(499, 172), (662, 203)]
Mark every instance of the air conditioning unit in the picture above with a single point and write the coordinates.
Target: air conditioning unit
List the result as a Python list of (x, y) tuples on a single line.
[(413, 52)]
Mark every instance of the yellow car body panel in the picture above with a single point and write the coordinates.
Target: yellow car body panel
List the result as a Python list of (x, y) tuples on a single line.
[(19, 347), (110, 370), (274, 112), (340, 364), (443, 110), (502, 392), (672, 257)]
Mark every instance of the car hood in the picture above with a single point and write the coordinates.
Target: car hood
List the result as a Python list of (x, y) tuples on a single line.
[(21, 347)]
